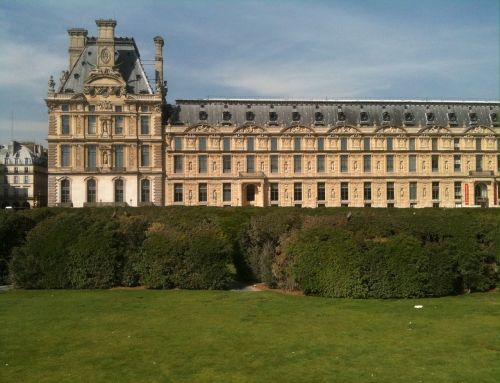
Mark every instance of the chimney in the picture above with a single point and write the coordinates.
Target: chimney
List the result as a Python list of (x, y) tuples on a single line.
[(159, 62), (105, 43), (77, 42)]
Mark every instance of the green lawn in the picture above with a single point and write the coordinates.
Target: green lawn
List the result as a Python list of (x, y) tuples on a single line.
[(211, 336)]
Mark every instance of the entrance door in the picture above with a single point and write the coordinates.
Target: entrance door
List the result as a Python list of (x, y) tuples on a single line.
[(250, 193), (481, 195)]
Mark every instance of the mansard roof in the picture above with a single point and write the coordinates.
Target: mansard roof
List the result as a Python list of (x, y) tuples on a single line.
[(413, 115), (128, 64)]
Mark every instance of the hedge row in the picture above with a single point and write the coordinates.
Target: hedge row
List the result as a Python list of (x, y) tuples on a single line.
[(379, 253)]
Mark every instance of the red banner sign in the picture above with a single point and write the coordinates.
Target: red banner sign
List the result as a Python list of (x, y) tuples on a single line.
[(466, 192)]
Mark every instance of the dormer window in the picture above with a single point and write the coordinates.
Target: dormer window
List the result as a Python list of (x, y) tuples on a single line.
[(430, 117), (296, 116), (318, 116), (65, 107), (409, 118), (273, 116), (386, 117), (250, 116), (473, 118), (341, 116), (363, 117), (203, 115), (494, 118), (226, 116), (452, 118)]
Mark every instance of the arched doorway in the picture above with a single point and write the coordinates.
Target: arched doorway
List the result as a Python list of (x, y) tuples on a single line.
[(481, 195), (250, 193)]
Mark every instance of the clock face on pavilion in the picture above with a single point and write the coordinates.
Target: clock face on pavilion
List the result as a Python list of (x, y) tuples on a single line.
[(105, 56)]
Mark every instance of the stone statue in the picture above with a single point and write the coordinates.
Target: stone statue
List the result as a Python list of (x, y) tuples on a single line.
[(105, 158)]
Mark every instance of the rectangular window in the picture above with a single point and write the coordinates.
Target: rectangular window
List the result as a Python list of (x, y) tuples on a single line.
[(479, 163), (145, 155), (367, 163), (457, 163), (434, 144), (226, 164), (65, 155), (91, 124), (458, 190), (478, 144), (390, 191), (178, 193), (498, 163), (64, 124), (274, 144), (202, 192), (344, 166), (226, 144), (321, 144), (320, 163), (144, 108), (435, 162), (118, 124), (144, 124), (178, 143), (297, 164), (343, 143), (202, 144), (250, 164), (250, 144), (202, 164), (435, 190), (26, 179), (226, 192), (413, 191), (389, 143), (118, 108), (178, 164), (367, 191), (389, 163), (119, 156), (65, 108), (412, 143), (456, 143), (321, 194), (91, 157), (344, 191), (297, 191), (366, 143), (412, 163), (92, 108), (297, 144), (274, 191), (274, 163)]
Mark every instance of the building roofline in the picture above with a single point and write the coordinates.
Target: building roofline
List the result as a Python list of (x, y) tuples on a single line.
[(336, 101)]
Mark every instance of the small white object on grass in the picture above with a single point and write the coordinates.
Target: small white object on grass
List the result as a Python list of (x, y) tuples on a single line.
[(418, 306)]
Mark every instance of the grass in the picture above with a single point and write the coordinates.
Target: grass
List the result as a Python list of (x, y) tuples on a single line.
[(213, 336)]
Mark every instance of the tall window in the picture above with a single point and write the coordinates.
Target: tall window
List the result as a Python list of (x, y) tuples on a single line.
[(226, 164), (118, 156), (250, 144), (91, 124), (367, 191), (91, 191), (297, 143), (118, 125), (274, 144), (389, 162), (498, 163), (343, 143), (145, 155), (435, 162), (65, 155), (250, 164), (64, 124), (456, 143), (226, 144), (458, 190), (178, 164), (412, 164), (119, 194), (145, 190), (321, 143), (144, 124), (297, 164), (413, 191), (26, 179), (274, 191), (320, 163), (390, 191), (65, 191), (297, 191), (178, 143), (412, 144), (366, 143), (389, 143), (226, 192), (178, 193), (91, 157), (435, 190), (202, 164), (478, 143), (479, 163), (202, 144), (321, 194), (344, 191), (274, 163), (367, 163), (457, 163), (434, 144), (344, 166), (202, 193)]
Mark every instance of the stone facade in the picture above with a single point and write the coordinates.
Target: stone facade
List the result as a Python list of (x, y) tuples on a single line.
[(387, 153)]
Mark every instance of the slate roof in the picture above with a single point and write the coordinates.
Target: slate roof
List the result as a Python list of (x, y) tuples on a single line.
[(127, 62), (323, 113)]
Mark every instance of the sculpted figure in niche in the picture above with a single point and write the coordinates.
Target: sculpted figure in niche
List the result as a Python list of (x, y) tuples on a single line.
[(262, 166), (446, 165), (378, 165), (424, 192), (105, 158), (423, 165), (332, 165), (355, 165), (238, 166), (190, 166), (333, 193), (286, 166), (355, 193), (401, 165), (308, 165), (401, 192), (446, 192), (379, 193), (214, 195), (309, 193), (214, 166), (468, 165), (490, 165), (105, 126)]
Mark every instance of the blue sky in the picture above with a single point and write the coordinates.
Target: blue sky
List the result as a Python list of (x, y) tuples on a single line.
[(397, 49)]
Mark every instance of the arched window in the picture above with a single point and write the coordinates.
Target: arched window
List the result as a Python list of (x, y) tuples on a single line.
[(91, 191), (119, 190), (65, 192), (145, 191)]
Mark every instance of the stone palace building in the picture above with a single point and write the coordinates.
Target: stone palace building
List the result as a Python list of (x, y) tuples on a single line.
[(113, 140)]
